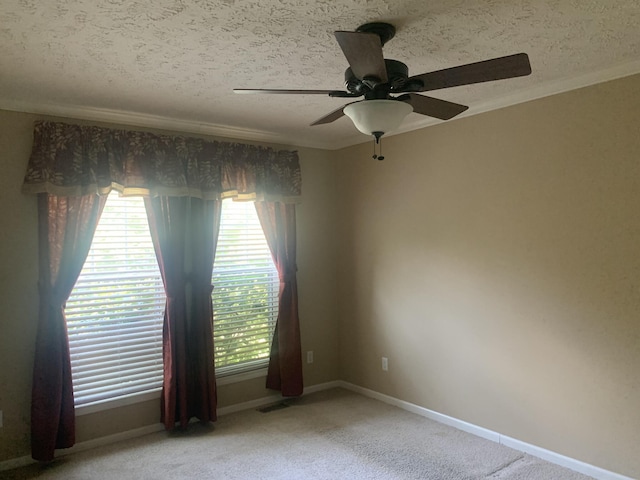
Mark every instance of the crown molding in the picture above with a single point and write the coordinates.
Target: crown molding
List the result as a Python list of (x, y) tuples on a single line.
[(188, 126), (135, 119)]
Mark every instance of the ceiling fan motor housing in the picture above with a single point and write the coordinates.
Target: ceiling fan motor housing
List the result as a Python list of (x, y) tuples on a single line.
[(397, 74)]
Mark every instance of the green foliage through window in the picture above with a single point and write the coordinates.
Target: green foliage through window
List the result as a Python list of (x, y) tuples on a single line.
[(245, 294)]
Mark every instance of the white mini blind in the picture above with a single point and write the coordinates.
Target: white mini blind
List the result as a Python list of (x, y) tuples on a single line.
[(245, 293), (115, 311)]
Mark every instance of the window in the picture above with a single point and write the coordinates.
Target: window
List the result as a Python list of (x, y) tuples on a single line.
[(115, 311), (245, 294)]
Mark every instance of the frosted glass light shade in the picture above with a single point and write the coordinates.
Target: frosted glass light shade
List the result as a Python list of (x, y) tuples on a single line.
[(377, 115)]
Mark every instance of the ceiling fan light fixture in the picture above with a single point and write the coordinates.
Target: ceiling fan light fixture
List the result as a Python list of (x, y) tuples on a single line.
[(383, 116)]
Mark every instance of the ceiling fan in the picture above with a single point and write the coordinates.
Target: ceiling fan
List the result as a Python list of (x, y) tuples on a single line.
[(390, 94)]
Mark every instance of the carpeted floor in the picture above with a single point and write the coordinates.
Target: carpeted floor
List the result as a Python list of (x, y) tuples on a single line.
[(334, 434)]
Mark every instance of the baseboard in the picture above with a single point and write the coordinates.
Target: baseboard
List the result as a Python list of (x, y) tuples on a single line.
[(276, 397), (258, 402), (138, 432), (86, 445), (16, 463), (323, 386), (552, 457)]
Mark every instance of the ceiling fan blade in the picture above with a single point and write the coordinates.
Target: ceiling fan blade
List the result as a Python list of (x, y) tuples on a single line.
[(331, 117), (364, 54), (485, 71), (283, 91), (433, 107)]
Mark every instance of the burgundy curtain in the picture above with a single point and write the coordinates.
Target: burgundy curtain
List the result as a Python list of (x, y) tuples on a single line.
[(278, 222), (184, 232), (65, 226)]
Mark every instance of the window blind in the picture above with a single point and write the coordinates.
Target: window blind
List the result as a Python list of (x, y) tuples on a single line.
[(115, 311), (245, 293)]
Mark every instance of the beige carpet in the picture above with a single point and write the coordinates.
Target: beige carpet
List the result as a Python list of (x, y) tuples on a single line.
[(327, 435)]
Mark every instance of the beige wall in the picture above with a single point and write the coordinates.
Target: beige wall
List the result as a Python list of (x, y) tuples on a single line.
[(18, 294), (495, 260)]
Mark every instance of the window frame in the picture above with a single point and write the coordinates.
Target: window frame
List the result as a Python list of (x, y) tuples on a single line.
[(232, 375)]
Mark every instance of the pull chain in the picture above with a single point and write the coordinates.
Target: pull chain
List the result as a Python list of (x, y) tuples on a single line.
[(377, 141)]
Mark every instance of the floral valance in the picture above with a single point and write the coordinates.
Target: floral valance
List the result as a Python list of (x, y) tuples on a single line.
[(74, 160)]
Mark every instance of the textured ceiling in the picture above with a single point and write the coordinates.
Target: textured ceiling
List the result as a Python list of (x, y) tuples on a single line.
[(174, 63)]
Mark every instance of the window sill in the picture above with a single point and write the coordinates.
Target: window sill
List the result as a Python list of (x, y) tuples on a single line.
[(117, 402), (241, 377), (155, 394)]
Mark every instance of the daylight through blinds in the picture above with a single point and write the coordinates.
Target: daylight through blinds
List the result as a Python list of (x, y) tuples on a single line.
[(115, 312), (245, 293)]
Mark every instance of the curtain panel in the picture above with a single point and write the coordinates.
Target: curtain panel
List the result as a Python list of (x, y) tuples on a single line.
[(75, 160), (278, 222), (65, 227), (185, 234)]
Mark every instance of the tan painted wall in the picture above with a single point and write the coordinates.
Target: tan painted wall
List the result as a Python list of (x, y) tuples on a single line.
[(495, 260), (18, 294)]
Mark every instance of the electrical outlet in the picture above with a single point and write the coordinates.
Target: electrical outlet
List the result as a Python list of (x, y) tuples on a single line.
[(385, 364), (310, 356)]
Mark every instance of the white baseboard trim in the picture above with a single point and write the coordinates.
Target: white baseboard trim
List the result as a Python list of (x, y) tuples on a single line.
[(276, 397), (424, 412), (562, 460), (15, 463), (109, 439), (552, 457), (139, 432), (86, 445), (323, 386), (258, 402)]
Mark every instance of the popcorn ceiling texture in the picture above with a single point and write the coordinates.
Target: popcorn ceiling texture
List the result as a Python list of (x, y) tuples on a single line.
[(181, 58)]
